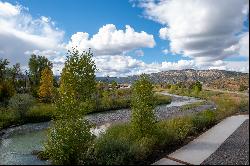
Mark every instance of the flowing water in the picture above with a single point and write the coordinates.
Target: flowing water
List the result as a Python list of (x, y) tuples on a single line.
[(17, 147)]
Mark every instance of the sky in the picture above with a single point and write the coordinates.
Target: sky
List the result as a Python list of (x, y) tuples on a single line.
[(129, 37)]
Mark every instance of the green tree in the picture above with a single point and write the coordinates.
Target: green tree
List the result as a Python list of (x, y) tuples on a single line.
[(3, 67), (15, 72), (197, 87), (46, 87), (7, 90), (69, 141), (36, 65), (143, 118), (70, 138), (114, 84), (77, 84)]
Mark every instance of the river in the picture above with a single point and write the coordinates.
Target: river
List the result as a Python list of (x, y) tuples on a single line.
[(17, 143)]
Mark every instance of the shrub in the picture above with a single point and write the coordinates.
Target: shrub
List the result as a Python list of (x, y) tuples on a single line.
[(204, 120), (113, 151), (8, 117), (68, 141), (7, 90), (21, 103), (40, 113), (162, 99), (244, 105)]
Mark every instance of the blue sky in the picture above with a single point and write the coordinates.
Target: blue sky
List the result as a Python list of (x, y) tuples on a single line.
[(89, 16)]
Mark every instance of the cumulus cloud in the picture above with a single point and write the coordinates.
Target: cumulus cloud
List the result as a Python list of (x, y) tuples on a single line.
[(20, 33), (244, 45), (165, 51), (200, 29), (111, 41)]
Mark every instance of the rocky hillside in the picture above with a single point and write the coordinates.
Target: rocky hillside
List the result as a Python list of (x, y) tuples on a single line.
[(219, 79)]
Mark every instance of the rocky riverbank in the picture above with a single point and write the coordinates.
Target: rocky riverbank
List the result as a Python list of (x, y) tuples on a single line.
[(162, 112)]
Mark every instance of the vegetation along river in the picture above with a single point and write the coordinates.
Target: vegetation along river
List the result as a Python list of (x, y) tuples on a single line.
[(18, 143)]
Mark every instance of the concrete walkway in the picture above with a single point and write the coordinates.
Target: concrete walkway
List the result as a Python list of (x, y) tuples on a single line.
[(202, 147)]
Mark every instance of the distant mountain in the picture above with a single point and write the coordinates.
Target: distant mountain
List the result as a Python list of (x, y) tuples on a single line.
[(219, 79), (211, 78)]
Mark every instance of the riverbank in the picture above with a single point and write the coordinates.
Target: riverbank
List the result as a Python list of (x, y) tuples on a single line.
[(41, 112), (162, 112)]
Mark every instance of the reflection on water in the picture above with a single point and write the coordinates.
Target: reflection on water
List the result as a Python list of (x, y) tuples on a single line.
[(17, 149)]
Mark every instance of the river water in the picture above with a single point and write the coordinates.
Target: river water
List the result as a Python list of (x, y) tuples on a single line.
[(17, 145)]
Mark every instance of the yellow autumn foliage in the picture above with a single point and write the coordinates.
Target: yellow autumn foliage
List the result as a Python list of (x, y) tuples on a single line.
[(46, 87)]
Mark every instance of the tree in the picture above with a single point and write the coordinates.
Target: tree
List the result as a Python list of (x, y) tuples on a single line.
[(114, 84), (46, 87), (70, 138), (7, 90), (36, 65), (3, 66), (197, 87), (143, 118), (77, 84), (16, 72)]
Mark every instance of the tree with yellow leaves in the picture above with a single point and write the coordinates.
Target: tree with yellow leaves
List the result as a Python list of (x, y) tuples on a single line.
[(46, 87)]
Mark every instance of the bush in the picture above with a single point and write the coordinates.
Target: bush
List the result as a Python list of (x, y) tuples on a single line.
[(113, 151), (244, 105), (21, 103), (175, 130), (68, 141), (162, 99), (8, 117), (204, 120), (120, 146), (7, 90), (40, 113)]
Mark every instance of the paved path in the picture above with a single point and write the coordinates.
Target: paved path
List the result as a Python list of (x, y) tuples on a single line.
[(234, 151), (201, 148)]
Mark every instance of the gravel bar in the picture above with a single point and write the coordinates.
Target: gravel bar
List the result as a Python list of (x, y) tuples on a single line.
[(162, 112), (234, 151), (123, 115)]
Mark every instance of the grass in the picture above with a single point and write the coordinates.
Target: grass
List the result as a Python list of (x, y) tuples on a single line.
[(192, 105), (119, 145), (42, 112), (123, 100), (8, 117)]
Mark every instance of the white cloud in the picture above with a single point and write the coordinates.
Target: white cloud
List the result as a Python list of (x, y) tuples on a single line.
[(244, 45), (200, 29), (111, 41), (20, 33), (8, 10), (165, 51), (163, 33)]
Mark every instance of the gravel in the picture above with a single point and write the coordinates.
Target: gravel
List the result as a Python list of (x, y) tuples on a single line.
[(234, 151), (123, 115), (162, 112)]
